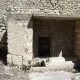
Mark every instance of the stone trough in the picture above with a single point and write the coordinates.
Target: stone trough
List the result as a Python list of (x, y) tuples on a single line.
[(58, 63)]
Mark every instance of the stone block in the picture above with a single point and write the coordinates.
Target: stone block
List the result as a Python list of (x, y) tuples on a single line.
[(30, 49), (28, 46), (38, 69), (9, 59), (77, 53), (27, 57), (29, 43), (57, 59), (0, 30), (20, 23), (29, 31), (56, 11), (78, 47), (47, 10), (77, 43), (53, 1), (25, 63), (17, 60), (78, 35), (29, 37), (77, 30), (64, 65), (77, 22)]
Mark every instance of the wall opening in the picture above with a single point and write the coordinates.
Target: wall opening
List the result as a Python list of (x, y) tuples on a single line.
[(3, 48), (44, 46), (61, 33)]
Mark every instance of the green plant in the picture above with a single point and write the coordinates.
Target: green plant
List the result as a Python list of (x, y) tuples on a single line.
[(37, 65)]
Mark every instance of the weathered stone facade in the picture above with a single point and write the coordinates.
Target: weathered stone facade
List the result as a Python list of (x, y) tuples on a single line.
[(62, 20)]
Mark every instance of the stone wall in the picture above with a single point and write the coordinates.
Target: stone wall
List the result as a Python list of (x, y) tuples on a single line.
[(77, 39), (61, 33), (20, 24), (63, 7), (69, 7)]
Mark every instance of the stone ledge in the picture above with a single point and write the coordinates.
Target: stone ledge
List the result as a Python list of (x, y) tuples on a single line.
[(55, 16), (57, 59), (59, 65)]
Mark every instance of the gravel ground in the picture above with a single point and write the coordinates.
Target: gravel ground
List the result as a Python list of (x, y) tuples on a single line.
[(14, 73), (44, 74), (51, 75)]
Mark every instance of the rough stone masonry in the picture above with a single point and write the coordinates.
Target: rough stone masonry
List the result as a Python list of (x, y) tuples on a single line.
[(19, 17)]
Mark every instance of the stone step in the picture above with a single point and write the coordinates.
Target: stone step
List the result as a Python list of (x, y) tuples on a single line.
[(56, 59), (50, 59), (64, 65), (60, 65), (56, 63)]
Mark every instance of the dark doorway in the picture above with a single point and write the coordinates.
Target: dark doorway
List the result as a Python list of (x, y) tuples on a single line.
[(44, 46), (3, 48)]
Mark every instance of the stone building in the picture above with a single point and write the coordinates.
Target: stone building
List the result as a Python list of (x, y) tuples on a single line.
[(41, 28)]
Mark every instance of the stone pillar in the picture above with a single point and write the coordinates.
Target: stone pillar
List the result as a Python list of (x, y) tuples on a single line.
[(77, 39), (20, 40), (15, 41)]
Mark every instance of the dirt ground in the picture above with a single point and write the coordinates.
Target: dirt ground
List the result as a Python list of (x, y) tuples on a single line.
[(16, 73)]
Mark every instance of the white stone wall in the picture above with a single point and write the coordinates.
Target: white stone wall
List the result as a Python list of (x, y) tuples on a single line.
[(19, 40)]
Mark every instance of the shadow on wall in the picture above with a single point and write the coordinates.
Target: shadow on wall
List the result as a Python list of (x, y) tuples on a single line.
[(77, 65), (3, 48), (61, 33)]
